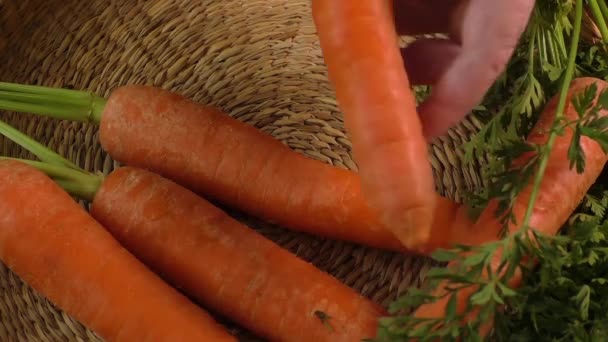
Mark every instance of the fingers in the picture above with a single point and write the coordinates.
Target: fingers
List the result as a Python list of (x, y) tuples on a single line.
[(460, 89), (423, 16), (426, 60), (490, 33)]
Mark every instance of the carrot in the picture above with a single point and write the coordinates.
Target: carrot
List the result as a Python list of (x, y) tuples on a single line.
[(222, 263), (48, 240), (561, 191), (229, 161), (228, 266), (224, 159), (360, 47)]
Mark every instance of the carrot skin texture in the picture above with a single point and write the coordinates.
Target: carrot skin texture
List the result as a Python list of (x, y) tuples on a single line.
[(62, 252), (230, 161), (226, 265), (561, 191), (222, 158), (365, 66)]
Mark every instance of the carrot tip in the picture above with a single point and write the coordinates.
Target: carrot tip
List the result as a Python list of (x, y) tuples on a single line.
[(413, 228)]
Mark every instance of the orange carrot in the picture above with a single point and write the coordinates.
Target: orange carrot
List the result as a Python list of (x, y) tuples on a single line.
[(560, 192), (228, 266), (216, 259), (226, 160), (57, 248), (232, 162), (361, 50), (219, 261)]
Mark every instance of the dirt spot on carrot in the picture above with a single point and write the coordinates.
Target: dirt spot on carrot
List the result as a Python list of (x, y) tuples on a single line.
[(324, 318)]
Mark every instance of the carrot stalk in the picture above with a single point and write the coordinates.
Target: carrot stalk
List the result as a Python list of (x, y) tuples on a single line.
[(604, 10), (221, 262), (34, 147), (598, 12), (65, 104), (80, 184), (229, 161), (44, 98), (58, 249), (43, 90)]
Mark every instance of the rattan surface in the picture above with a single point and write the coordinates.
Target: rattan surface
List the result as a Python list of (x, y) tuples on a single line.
[(257, 60)]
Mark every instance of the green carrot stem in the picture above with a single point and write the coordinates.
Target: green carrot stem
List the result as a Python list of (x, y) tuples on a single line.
[(600, 17), (41, 98), (55, 111), (63, 104), (42, 152), (81, 184), (70, 177), (603, 8), (560, 111), (531, 50), (58, 171), (84, 191), (34, 89)]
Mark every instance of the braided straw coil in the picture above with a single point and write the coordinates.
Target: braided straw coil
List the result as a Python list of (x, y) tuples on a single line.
[(257, 60)]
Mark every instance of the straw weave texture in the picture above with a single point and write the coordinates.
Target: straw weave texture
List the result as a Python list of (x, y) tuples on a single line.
[(257, 60)]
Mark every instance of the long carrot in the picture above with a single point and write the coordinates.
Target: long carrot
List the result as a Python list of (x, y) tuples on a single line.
[(226, 160), (62, 252), (228, 266), (560, 192), (224, 264), (361, 50)]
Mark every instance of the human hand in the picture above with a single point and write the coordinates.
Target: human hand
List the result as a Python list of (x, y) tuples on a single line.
[(482, 37)]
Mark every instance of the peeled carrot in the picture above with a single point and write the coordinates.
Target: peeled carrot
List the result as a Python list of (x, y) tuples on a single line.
[(219, 261), (361, 50), (560, 192), (48, 240), (226, 160)]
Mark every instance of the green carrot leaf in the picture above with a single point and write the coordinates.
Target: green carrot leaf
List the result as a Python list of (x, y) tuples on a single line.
[(584, 100), (484, 295), (601, 137), (582, 299), (576, 155), (450, 311), (444, 255), (603, 99), (476, 259), (595, 204)]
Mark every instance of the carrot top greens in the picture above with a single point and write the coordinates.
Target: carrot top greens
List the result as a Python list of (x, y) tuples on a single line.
[(64, 104), (75, 180), (564, 295)]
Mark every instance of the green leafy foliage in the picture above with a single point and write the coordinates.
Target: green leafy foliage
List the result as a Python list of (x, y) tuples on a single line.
[(564, 293), (590, 124), (565, 297)]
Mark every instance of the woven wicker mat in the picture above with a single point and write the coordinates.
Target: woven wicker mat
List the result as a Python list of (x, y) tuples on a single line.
[(257, 60)]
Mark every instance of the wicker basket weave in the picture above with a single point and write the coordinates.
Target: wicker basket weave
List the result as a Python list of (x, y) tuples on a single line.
[(257, 60)]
